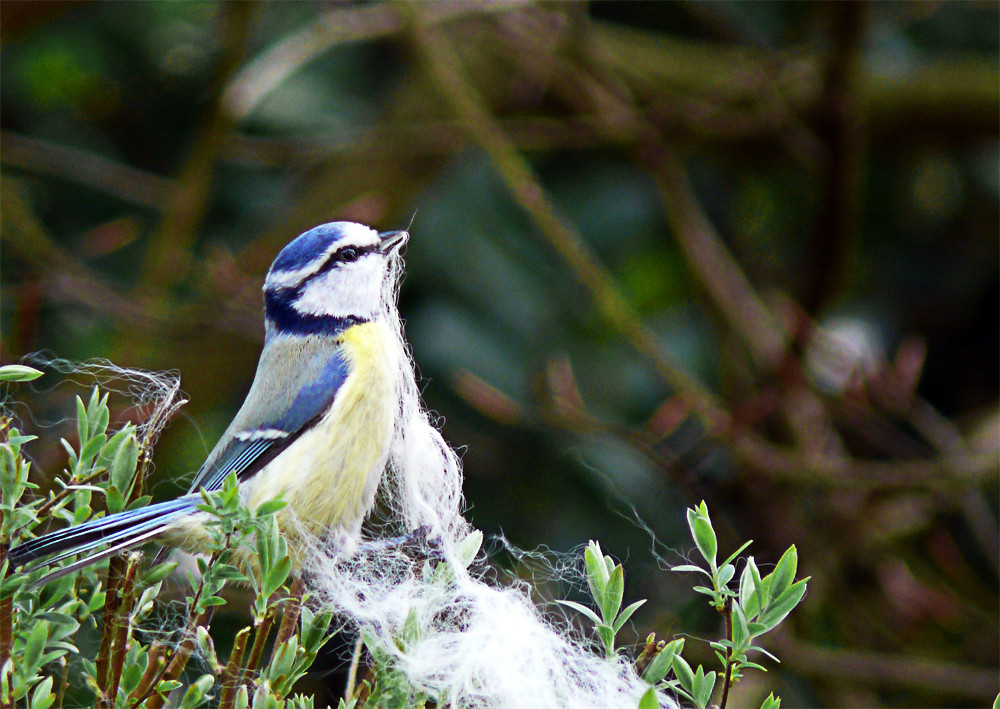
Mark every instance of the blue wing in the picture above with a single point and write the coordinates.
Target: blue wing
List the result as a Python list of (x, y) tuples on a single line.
[(278, 409)]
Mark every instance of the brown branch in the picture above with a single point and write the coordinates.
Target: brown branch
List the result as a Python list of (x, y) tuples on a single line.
[(337, 26), (840, 126), (86, 168), (67, 279), (176, 665), (150, 678), (941, 474), (881, 669)]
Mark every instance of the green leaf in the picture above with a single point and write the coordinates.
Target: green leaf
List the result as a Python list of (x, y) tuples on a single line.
[(784, 572), (195, 694), (116, 503), (469, 547), (582, 609), (277, 575), (139, 502), (746, 588), (315, 629), (607, 636), (43, 697), (726, 573), (167, 685), (228, 572), (35, 644), (682, 670), (702, 533), (91, 447), (19, 373), (658, 668), (773, 702), (157, 573), (625, 615), (649, 700), (270, 507), (782, 605), (207, 648), (82, 423), (98, 414), (121, 456), (702, 687), (613, 594), (741, 633), (689, 567), (736, 553), (597, 572), (762, 651)]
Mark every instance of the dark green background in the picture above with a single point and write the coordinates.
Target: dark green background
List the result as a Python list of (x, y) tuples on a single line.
[(846, 155)]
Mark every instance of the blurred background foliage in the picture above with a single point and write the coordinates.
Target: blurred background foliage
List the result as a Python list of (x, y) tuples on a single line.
[(662, 252)]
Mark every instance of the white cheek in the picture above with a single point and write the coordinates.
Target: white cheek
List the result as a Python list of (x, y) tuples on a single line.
[(350, 289)]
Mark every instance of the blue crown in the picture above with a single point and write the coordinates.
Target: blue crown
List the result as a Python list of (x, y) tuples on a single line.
[(305, 247)]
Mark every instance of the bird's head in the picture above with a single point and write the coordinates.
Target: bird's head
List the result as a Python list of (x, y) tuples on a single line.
[(329, 277)]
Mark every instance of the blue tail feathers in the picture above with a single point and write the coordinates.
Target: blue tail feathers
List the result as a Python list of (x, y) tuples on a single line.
[(121, 531)]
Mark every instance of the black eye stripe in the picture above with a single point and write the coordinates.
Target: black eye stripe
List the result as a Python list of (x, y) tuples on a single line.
[(337, 257), (348, 254)]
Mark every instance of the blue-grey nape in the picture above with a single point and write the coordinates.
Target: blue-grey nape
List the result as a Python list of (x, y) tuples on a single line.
[(305, 247)]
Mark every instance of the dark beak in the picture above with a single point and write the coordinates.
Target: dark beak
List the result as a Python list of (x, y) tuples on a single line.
[(390, 241)]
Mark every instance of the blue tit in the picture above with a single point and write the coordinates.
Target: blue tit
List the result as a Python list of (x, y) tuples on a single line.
[(318, 421)]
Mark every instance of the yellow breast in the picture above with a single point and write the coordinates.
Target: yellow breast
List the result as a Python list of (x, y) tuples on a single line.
[(330, 474)]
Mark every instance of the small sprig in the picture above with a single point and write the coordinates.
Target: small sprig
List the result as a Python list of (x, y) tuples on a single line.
[(704, 537), (756, 607), (606, 581)]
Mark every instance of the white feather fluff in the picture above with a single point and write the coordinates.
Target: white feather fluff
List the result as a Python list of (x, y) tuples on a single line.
[(472, 642)]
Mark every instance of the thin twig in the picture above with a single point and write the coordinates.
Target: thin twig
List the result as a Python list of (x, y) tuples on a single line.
[(722, 278), (177, 663), (178, 657), (43, 510), (352, 671), (6, 632), (168, 250), (128, 591), (229, 680), (290, 612), (259, 640), (727, 678), (112, 601)]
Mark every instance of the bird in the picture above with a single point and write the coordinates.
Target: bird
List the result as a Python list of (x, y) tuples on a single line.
[(318, 421)]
